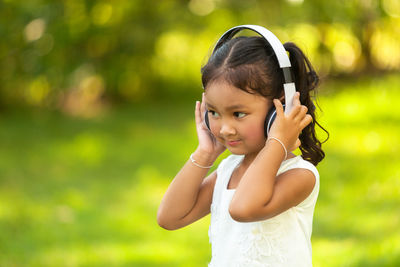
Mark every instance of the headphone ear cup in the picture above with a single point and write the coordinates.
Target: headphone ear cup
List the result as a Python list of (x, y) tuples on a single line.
[(206, 120), (269, 120)]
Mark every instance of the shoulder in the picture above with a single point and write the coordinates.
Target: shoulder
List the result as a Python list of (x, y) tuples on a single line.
[(305, 173), (297, 181), (301, 166)]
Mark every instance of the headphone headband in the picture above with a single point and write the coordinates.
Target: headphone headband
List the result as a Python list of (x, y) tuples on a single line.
[(279, 50), (276, 45)]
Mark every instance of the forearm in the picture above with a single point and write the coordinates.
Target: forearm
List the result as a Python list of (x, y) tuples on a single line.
[(257, 184), (183, 191)]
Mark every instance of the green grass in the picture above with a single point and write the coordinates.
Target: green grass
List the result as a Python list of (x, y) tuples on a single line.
[(84, 192)]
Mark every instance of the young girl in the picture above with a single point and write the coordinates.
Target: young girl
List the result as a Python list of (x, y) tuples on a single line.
[(262, 197)]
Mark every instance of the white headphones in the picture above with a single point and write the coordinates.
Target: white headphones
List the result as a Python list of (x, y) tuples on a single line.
[(283, 60)]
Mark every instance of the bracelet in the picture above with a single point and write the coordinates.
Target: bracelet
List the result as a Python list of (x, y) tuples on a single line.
[(284, 148), (198, 165)]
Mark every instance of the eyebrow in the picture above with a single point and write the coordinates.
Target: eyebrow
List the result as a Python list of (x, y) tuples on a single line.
[(228, 108)]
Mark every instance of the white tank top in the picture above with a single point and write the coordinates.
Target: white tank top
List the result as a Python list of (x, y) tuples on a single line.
[(284, 240)]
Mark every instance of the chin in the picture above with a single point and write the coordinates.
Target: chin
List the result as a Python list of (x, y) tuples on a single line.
[(237, 151)]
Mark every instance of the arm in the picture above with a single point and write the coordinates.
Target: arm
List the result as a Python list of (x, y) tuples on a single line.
[(188, 197), (260, 193)]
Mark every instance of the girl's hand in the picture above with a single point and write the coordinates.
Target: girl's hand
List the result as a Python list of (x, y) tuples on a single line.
[(287, 127), (207, 142)]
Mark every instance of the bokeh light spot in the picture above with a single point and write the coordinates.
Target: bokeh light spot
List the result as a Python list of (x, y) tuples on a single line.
[(295, 2), (38, 90), (201, 7), (92, 87), (34, 30), (385, 43), (345, 47), (392, 7), (344, 55), (101, 13)]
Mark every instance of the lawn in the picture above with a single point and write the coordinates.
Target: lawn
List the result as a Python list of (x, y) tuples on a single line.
[(84, 192)]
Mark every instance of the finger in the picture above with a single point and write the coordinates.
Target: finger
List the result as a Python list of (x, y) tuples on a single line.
[(296, 99), (278, 107), (203, 104), (295, 112), (306, 121), (197, 113), (296, 105), (302, 112)]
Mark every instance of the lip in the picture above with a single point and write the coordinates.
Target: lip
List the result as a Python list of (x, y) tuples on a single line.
[(233, 142)]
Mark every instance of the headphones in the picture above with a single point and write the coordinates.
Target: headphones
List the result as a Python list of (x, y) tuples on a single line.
[(284, 63)]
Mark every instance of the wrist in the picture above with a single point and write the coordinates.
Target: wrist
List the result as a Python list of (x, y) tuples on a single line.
[(204, 158), (278, 145)]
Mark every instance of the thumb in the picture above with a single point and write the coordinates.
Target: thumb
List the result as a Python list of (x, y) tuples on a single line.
[(278, 107)]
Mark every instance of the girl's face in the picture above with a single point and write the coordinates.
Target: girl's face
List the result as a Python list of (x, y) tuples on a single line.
[(236, 117)]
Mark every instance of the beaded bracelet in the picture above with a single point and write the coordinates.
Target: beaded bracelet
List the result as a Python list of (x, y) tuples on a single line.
[(284, 148), (198, 165)]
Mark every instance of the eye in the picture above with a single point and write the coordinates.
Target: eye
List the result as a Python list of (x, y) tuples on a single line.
[(213, 113), (239, 114)]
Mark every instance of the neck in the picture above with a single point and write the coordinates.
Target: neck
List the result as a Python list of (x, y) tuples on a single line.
[(248, 159)]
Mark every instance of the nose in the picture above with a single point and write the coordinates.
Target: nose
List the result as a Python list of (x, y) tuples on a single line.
[(227, 129)]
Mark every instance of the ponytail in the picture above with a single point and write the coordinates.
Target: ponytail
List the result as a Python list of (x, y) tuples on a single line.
[(306, 81)]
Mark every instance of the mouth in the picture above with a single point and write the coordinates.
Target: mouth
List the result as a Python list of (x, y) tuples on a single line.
[(233, 142)]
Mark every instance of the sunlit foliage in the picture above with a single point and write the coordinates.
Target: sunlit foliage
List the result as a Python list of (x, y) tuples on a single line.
[(141, 50)]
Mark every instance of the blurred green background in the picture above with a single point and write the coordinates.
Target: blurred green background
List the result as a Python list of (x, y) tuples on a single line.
[(97, 116)]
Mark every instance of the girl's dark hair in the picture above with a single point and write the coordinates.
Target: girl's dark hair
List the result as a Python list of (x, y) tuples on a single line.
[(250, 64)]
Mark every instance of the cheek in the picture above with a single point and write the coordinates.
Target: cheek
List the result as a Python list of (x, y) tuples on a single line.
[(255, 131), (214, 128)]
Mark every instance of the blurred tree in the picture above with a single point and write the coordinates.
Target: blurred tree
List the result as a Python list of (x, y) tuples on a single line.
[(74, 54)]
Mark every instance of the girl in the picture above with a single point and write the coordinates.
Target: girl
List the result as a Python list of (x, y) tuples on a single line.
[(261, 197)]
